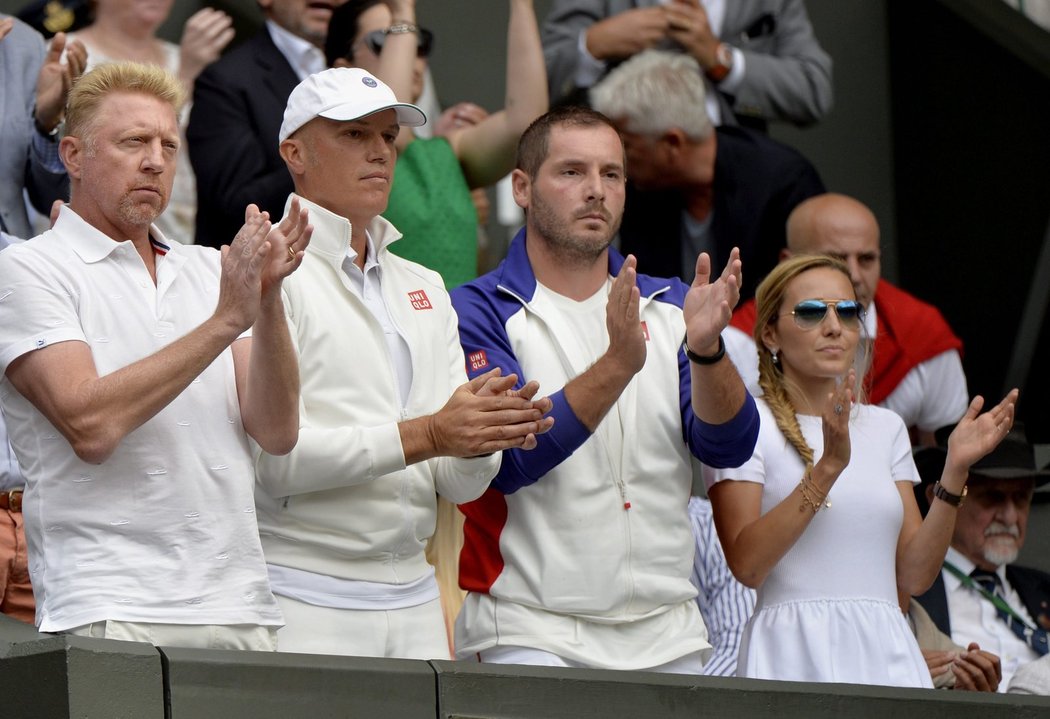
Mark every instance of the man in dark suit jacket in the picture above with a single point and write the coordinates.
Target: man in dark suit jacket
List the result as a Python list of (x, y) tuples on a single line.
[(989, 532), (238, 106), (693, 187)]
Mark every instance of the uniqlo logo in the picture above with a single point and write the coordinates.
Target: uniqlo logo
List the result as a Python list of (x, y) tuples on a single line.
[(419, 300), (477, 360), (645, 331)]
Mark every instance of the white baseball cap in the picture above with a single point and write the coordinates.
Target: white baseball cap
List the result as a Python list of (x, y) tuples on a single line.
[(343, 93)]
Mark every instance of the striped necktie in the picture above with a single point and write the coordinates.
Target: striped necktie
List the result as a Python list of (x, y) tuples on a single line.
[(991, 587)]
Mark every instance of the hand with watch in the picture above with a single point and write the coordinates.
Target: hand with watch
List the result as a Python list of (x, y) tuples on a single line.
[(708, 308), (54, 81), (689, 26), (976, 434)]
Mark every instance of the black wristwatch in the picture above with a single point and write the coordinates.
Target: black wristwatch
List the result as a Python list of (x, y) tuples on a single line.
[(945, 496), (700, 359)]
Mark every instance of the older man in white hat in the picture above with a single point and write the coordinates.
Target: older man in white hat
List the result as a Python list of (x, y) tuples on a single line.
[(388, 420)]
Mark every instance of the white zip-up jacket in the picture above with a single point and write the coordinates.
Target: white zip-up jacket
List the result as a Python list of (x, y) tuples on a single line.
[(571, 550), (343, 502)]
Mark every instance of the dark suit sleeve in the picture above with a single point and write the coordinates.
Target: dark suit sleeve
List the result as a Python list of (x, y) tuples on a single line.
[(231, 159), (42, 185), (1033, 587)]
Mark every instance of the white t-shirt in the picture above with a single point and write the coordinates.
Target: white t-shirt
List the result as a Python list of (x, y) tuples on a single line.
[(164, 530)]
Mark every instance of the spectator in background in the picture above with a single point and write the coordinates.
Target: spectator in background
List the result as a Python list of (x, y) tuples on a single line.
[(34, 84), (579, 554), (916, 367), (131, 387), (981, 595), (822, 517), (238, 105), (127, 30), (345, 517), (951, 665), (759, 60), (725, 604), (33, 89), (692, 187), (430, 202)]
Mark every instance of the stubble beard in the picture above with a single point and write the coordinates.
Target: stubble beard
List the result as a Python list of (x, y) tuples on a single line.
[(138, 214), (570, 248)]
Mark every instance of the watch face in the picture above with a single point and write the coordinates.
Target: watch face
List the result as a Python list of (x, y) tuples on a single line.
[(724, 56)]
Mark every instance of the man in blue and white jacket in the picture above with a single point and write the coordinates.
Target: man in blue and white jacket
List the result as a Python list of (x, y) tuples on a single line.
[(579, 553)]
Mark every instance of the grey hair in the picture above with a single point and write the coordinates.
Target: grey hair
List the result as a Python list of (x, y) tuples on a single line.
[(655, 91)]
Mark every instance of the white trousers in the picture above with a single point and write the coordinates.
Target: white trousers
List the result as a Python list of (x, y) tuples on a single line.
[(251, 637), (408, 633), (689, 664)]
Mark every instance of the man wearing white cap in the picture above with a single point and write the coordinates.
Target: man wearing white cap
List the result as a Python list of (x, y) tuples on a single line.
[(387, 418)]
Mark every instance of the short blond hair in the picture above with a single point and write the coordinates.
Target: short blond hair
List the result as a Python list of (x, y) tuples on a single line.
[(88, 92)]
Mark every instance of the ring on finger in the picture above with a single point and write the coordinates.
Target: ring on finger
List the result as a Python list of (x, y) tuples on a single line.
[(838, 409), (291, 253)]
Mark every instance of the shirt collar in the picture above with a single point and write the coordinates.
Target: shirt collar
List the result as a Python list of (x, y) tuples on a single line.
[(966, 566), (93, 245), (871, 320), (304, 57), (331, 238)]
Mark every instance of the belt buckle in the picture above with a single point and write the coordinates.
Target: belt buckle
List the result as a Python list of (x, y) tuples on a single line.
[(14, 500)]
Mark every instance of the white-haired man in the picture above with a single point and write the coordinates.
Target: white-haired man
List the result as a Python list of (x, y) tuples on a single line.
[(693, 187)]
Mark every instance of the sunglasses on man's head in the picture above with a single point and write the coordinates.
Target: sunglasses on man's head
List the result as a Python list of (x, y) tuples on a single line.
[(810, 313), (424, 41)]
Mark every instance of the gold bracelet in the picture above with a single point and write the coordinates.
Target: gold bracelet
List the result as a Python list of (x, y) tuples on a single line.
[(811, 496), (813, 488)]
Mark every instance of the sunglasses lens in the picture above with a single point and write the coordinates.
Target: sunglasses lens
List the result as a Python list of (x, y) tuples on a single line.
[(424, 42), (849, 312), (374, 40), (809, 313)]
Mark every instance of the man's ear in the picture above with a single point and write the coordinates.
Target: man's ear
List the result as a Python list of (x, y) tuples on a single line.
[(341, 62), (294, 155), (785, 254), (71, 150), (675, 138), (522, 188)]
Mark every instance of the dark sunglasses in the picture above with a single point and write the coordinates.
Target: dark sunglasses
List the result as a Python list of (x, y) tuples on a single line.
[(810, 313), (424, 41)]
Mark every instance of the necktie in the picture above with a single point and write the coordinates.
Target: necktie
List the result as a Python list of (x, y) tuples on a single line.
[(991, 584)]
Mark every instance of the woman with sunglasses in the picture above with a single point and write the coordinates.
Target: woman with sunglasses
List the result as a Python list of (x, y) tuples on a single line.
[(822, 520), (430, 200)]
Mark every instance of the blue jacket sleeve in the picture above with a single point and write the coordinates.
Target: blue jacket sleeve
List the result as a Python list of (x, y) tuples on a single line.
[(729, 444), (482, 332)]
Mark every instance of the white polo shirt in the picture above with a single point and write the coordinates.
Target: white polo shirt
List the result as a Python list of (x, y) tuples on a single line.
[(163, 531)]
